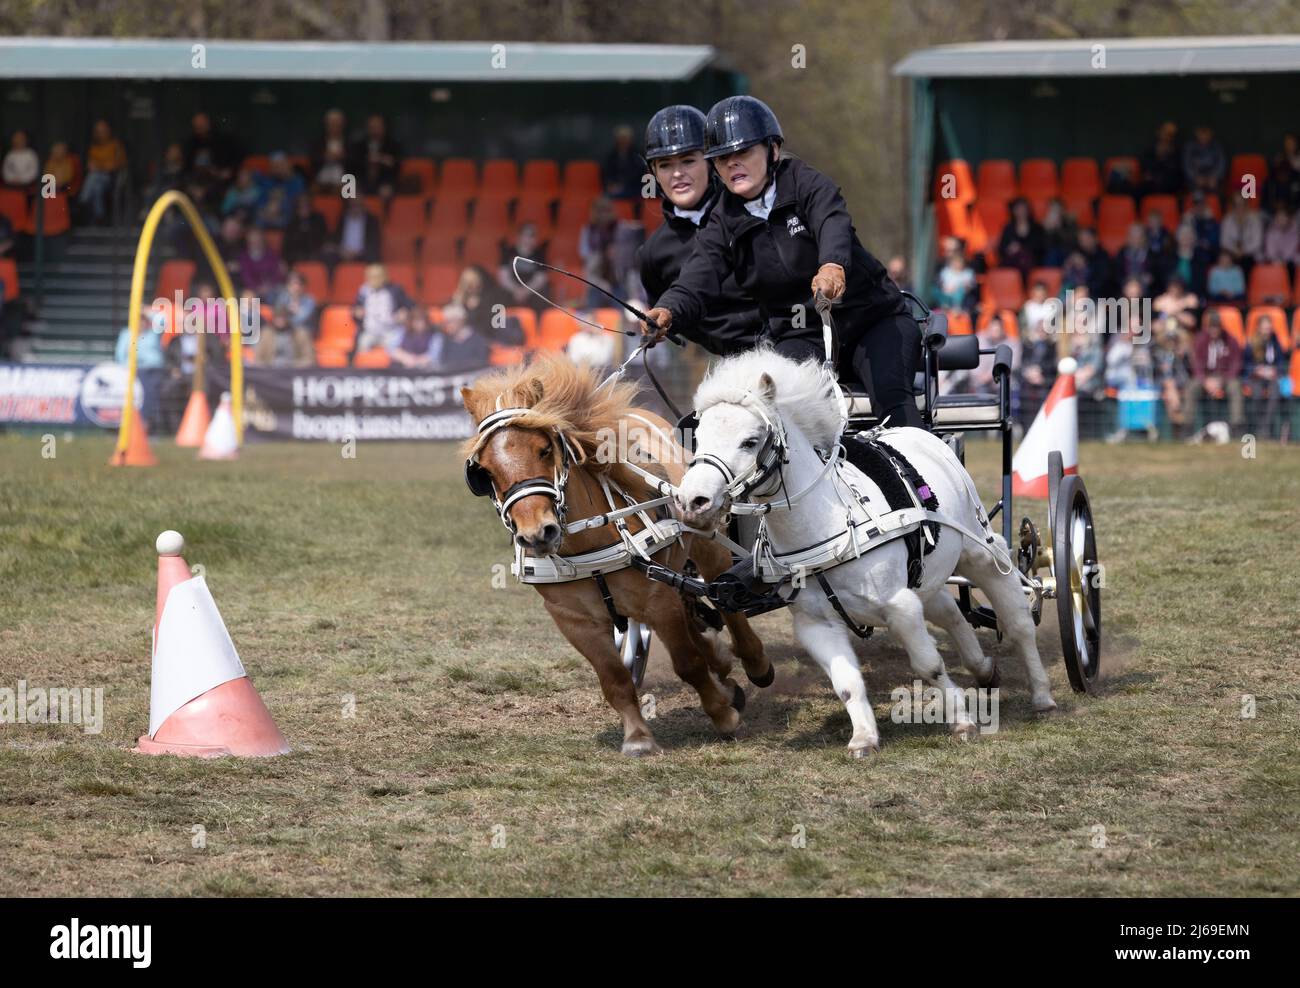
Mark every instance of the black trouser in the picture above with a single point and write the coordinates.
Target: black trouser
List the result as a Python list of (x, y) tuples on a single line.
[(883, 361)]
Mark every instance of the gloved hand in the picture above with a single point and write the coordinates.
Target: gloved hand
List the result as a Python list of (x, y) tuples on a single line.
[(829, 280), (661, 321)]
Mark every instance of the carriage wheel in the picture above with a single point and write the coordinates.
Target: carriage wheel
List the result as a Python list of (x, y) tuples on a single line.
[(634, 648), (1078, 584)]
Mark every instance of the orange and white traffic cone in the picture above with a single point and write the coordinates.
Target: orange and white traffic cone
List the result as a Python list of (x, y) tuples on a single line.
[(201, 701), (137, 452), (220, 441), (1055, 428), (195, 421)]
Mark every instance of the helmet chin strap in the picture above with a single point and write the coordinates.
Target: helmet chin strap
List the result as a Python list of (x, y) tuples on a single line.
[(773, 156)]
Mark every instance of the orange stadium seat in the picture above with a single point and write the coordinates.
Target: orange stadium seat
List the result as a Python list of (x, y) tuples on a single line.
[(1080, 179), (1010, 321), (1004, 288), (317, 279), (573, 213), (500, 178), (419, 172), (9, 276), (439, 248), (1275, 313), (1125, 165), (55, 218), (438, 283), (375, 207), (954, 176), (492, 214), (542, 175), (374, 358), (1216, 210), (1115, 214), (652, 214), (959, 323), (625, 209), (408, 213), (582, 177), (1230, 319), (1167, 206), (174, 275), (952, 219), (1080, 207), (556, 329), (403, 273), (1269, 285), (1243, 165), (1051, 277), (337, 332), (500, 355), (259, 163), (399, 245), (527, 322), (1295, 370), (330, 208), (348, 279), (987, 218), (450, 217), (996, 179), (459, 177), (535, 207), (483, 247), (1038, 179), (13, 204)]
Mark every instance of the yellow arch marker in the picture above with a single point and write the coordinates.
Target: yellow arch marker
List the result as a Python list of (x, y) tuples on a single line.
[(227, 288)]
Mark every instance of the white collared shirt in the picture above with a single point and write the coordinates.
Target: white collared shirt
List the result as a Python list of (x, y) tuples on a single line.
[(696, 216), (762, 206)]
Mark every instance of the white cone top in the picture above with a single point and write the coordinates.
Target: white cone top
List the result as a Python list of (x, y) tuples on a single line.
[(1068, 365), (220, 441), (192, 651), (170, 543)]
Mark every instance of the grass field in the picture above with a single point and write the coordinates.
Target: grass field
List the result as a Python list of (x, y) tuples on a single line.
[(373, 578)]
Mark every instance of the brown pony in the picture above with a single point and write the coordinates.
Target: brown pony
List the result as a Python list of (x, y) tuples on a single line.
[(564, 399)]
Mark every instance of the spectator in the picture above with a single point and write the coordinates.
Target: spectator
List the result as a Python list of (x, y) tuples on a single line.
[(105, 161), (1135, 261), (1162, 166), (526, 246), (171, 174), (1178, 304), (358, 238), (591, 347), (1023, 242), (1226, 283), (1189, 262), (211, 158), (261, 271), (1037, 371), (484, 302), (415, 342), (329, 157), (1216, 370), (1282, 187), (1282, 241), (1171, 359), (1201, 218), (1264, 365), (375, 159), (596, 247), (230, 245), (898, 273), (457, 347), (149, 359), (242, 198), (954, 287), (1090, 371), (293, 325), (304, 237), (1101, 272), (381, 310), (1040, 310), (1204, 162), (1242, 233), (62, 167), (979, 380), (1060, 234), (622, 170), (1159, 241), (280, 192), (22, 166)]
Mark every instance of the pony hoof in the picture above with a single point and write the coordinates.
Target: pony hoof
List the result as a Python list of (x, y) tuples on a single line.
[(866, 751), (1045, 710), (641, 749), (994, 679), (728, 722), (765, 680), (965, 733), (737, 697)]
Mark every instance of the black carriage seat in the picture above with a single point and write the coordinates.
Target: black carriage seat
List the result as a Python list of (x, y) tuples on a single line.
[(952, 413)]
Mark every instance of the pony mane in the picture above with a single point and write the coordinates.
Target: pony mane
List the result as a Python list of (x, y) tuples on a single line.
[(560, 396), (804, 390)]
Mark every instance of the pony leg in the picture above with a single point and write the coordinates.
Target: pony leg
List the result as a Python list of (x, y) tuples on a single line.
[(905, 617), (690, 654), (713, 559), (1016, 622), (831, 649), (595, 640), (941, 609)]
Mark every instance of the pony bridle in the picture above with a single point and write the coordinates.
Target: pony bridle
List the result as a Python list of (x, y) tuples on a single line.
[(771, 456), (480, 482)]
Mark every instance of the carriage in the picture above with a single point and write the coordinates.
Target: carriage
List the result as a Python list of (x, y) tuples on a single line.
[(1064, 568)]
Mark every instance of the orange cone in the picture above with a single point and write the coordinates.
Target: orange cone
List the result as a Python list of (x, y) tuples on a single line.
[(1056, 427), (195, 421), (221, 442), (137, 452), (201, 701)]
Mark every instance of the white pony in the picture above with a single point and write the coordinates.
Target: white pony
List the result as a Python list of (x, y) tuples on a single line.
[(751, 405)]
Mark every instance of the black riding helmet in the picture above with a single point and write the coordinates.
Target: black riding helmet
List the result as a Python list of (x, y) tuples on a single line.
[(738, 122), (674, 130)]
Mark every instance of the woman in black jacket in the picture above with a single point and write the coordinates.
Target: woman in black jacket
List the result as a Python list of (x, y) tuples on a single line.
[(783, 232), (690, 189)]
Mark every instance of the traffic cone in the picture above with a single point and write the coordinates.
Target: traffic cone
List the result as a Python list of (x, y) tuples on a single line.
[(201, 701), (137, 452), (220, 441), (195, 421), (1055, 428)]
